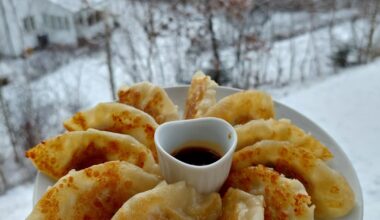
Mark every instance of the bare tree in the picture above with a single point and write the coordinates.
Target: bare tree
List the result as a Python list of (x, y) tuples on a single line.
[(108, 49), (373, 25), (214, 43), (6, 116)]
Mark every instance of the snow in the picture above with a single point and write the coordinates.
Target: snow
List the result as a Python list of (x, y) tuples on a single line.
[(347, 107), (16, 203)]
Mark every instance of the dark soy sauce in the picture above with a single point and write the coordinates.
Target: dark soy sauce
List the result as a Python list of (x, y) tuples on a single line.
[(197, 155)]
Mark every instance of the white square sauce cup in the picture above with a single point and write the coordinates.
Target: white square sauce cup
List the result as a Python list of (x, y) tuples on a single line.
[(170, 136)]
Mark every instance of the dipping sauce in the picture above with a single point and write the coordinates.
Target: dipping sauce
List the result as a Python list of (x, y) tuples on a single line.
[(197, 154)]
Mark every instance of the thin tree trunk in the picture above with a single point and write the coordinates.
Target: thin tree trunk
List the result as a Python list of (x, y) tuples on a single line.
[(356, 42), (292, 51), (332, 24), (239, 44), (108, 37), (3, 182), (372, 30), (5, 112), (215, 48)]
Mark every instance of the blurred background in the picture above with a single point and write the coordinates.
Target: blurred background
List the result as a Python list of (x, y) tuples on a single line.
[(57, 57)]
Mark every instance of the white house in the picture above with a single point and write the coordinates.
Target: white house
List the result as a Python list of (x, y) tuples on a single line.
[(28, 24)]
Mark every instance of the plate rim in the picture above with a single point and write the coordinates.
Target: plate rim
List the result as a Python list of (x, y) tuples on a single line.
[(358, 198)]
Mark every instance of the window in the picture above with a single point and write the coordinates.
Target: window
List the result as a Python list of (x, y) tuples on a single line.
[(98, 16), (45, 19), (90, 20), (67, 23), (60, 22), (29, 24), (53, 22), (80, 19), (48, 20)]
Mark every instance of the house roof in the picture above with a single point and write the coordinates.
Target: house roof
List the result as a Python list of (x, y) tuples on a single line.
[(76, 5)]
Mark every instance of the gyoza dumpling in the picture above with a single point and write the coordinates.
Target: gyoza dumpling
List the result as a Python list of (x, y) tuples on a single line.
[(242, 107), (93, 193), (151, 99), (279, 130), (239, 205), (329, 190), (201, 96), (118, 118), (55, 157), (284, 198), (174, 201)]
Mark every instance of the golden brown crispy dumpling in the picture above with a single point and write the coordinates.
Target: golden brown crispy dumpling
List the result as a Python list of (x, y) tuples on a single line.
[(329, 190), (284, 198), (55, 157), (239, 205), (151, 99), (117, 118), (242, 107), (174, 201), (201, 96), (279, 130), (93, 193)]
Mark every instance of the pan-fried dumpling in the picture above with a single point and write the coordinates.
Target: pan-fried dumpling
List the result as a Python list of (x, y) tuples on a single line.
[(284, 198), (279, 130), (151, 99), (93, 193), (118, 118), (55, 157), (201, 96), (328, 189), (242, 107), (174, 201), (239, 205)]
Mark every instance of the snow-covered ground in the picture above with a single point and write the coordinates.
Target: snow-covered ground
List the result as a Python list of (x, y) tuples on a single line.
[(345, 105), (16, 203)]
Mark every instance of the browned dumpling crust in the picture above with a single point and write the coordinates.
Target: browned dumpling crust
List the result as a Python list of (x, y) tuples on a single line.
[(279, 130), (329, 190), (243, 107), (240, 205), (93, 193), (151, 99), (173, 201), (118, 118), (284, 198), (55, 157), (201, 96)]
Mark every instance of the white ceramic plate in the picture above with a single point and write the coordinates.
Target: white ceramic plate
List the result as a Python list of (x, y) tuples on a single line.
[(340, 161)]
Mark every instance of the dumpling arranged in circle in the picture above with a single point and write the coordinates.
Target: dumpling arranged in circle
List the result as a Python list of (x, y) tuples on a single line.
[(201, 96), (279, 130), (284, 198), (118, 118), (96, 192), (329, 190), (171, 201), (151, 99), (240, 205), (242, 107), (55, 157)]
